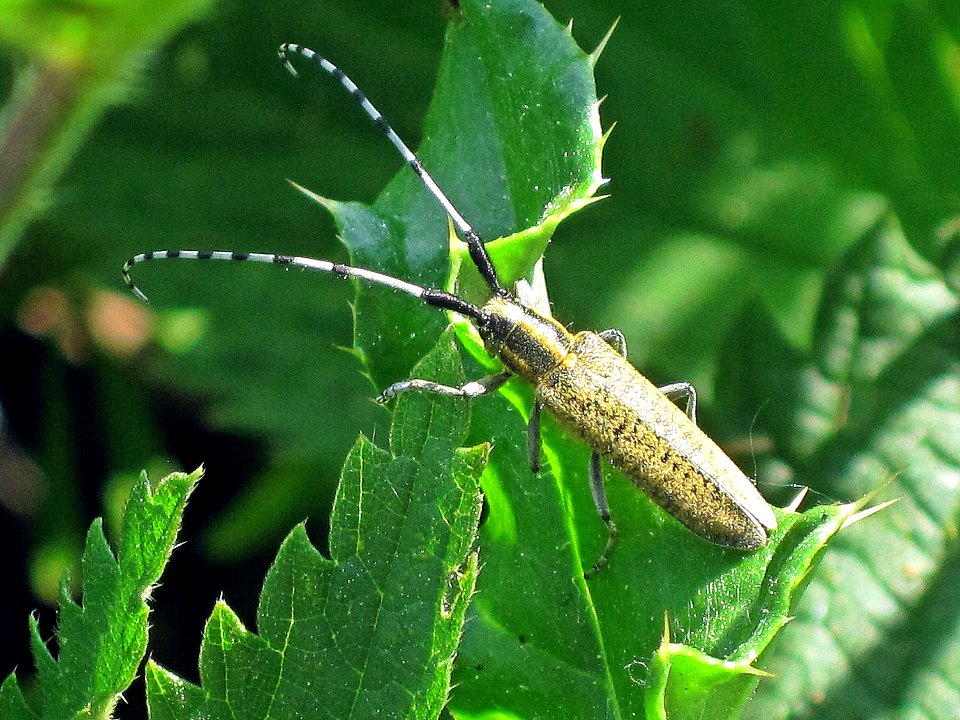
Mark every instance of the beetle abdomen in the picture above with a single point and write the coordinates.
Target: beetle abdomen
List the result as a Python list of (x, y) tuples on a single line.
[(598, 395)]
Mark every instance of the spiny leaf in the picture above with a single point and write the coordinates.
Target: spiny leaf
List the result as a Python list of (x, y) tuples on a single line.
[(372, 631), (511, 137), (102, 641)]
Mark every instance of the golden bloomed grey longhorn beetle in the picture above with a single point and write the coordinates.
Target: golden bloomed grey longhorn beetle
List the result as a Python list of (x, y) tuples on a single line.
[(583, 379)]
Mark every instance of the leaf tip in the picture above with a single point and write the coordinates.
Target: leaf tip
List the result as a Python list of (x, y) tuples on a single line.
[(606, 136), (755, 671), (858, 510), (866, 512), (598, 50), (329, 204), (794, 504)]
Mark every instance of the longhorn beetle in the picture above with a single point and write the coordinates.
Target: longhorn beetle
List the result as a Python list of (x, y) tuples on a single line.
[(584, 379)]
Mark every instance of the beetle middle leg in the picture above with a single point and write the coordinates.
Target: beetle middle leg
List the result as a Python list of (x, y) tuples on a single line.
[(678, 390), (618, 342), (600, 500), (474, 388), (596, 488), (533, 437), (674, 391), (615, 339)]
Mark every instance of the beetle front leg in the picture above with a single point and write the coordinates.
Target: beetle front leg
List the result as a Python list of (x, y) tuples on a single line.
[(474, 388)]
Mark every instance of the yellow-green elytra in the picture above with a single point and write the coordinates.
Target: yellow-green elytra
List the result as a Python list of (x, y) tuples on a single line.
[(583, 379), (595, 392)]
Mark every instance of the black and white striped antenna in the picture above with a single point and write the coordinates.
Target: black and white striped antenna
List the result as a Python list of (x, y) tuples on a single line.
[(431, 296)]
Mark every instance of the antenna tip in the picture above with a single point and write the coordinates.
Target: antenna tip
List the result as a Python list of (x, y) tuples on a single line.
[(137, 291), (128, 281), (282, 54)]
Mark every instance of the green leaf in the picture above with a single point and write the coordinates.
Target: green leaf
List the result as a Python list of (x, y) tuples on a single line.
[(512, 136), (371, 632), (542, 640), (102, 642), (84, 57), (12, 704)]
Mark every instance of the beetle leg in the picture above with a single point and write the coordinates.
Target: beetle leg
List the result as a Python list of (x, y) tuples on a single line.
[(474, 388), (618, 342), (533, 437), (600, 500), (676, 391), (615, 339)]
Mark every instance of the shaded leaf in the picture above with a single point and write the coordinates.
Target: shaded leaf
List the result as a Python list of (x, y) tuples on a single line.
[(880, 399)]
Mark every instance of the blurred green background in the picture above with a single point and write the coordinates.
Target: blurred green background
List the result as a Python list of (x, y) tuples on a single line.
[(755, 143)]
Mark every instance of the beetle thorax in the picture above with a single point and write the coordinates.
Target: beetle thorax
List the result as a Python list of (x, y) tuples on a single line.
[(529, 344)]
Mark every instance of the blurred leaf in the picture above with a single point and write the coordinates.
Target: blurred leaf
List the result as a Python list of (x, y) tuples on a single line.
[(880, 398), (103, 641), (748, 156), (371, 632), (83, 58)]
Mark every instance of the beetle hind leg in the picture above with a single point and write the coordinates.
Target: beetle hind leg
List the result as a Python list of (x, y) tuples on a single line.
[(615, 339), (600, 500)]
